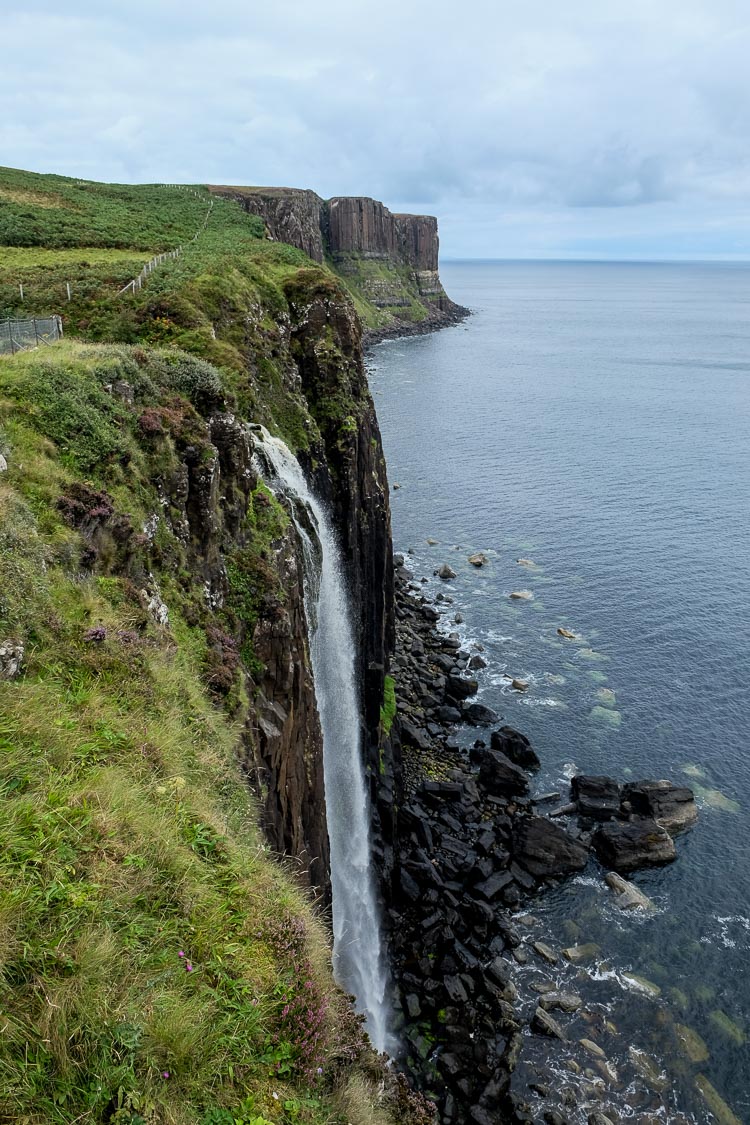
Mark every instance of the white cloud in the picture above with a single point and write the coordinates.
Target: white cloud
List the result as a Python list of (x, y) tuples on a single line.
[(540, 114)]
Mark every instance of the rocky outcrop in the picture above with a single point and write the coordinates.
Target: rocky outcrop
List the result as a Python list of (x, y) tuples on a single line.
[(391, 260), (292, 215)]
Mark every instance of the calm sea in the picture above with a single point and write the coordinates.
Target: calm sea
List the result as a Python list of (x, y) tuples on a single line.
[(594, 418)]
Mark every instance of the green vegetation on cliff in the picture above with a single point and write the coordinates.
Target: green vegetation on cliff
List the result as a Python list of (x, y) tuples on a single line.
[(157, 964)]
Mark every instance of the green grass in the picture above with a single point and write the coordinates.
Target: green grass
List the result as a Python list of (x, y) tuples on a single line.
[(128, 834), (388, 709)]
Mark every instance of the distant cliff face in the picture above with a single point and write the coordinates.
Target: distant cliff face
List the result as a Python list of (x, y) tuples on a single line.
[(291, 215), (387, 261)]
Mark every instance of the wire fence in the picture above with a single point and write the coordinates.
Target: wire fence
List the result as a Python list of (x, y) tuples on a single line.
[(137, 282), (19, 335)]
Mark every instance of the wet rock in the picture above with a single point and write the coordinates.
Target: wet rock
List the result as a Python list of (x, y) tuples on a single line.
[(545, 1024), (479, 715), (459, 688), (642, 984), (477, 662), (545, 952), (728, 1028), (499, 776), (448, 714), (563, 632), (599, 1119), (522, 595), (640, 842), (627, 895), (478, 559), (563, 1001), (544, 848), (519, 685), (579, 954), (412, 1006), (446, 572), (671, 806), (592, 1048), (648, 1068), (596, 797), (11, 659), (715, 1102), (516, 747)]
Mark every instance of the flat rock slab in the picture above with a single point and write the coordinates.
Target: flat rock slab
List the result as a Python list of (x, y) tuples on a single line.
[(596, 797), (672, 806), (563, 1001), (579, 954), (640, 842), (544, 848), (545, 1024), (545, 952)]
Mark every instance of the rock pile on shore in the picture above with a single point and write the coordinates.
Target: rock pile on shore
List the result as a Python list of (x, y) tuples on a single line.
[(470, 848)]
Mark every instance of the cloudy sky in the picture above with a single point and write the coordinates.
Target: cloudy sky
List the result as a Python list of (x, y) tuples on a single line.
[(532, 128)]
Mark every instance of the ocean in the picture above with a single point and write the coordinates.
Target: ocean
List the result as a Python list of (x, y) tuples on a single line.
[(593, 419)]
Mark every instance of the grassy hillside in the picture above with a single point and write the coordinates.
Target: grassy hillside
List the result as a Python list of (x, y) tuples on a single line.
[(157, 964)]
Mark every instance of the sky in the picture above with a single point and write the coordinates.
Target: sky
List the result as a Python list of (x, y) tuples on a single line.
[(531, 128)]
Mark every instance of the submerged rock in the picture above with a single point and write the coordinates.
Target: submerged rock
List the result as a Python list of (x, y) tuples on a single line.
[(545, 1024), (578, 954), (692, 1044), (715, 1102), (627, 895)]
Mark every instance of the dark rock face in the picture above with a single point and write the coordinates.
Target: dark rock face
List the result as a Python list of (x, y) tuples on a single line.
[(672, 806), (291, 215), (635, 843), (516, 747), (350, 472), (351, 229), (596, 797), (500, 777), (544, 848), (284, 743)]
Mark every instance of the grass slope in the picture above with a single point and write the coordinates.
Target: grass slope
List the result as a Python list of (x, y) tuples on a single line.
[(157, 965)]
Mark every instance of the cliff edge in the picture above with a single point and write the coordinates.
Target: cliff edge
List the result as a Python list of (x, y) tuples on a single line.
[(388, 262)]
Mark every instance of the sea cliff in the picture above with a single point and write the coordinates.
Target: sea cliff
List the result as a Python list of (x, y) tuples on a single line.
[(388, 262)]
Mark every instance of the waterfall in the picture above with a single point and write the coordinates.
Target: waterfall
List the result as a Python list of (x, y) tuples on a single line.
[(358, 957)]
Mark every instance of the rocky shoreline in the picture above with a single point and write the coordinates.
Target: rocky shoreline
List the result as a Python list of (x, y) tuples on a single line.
[(471, 848), (438, 319)]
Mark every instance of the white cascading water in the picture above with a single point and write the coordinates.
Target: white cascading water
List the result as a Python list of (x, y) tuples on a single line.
[(358, 957)]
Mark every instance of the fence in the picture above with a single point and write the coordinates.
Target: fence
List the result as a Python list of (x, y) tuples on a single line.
[(137, 282), (18, 335)]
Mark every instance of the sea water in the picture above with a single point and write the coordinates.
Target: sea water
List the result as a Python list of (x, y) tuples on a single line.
[(593, 419)]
